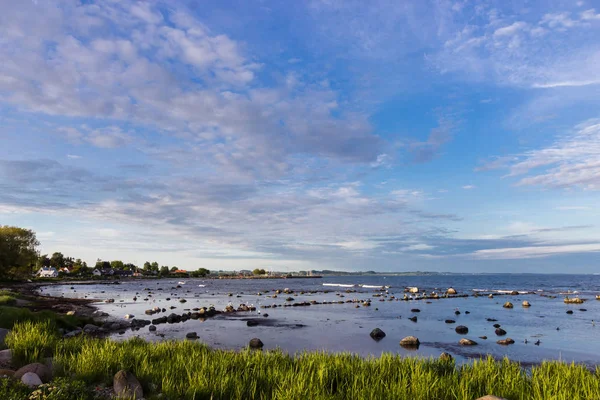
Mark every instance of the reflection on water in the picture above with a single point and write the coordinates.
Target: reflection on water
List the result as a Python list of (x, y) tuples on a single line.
[(343, 327)]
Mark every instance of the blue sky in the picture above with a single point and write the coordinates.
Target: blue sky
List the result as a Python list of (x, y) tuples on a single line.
[(440, 135)]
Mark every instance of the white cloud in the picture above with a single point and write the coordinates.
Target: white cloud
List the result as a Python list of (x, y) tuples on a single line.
[(573, 160), (469, 187), (73, 157), (535, 251), (572, 208)]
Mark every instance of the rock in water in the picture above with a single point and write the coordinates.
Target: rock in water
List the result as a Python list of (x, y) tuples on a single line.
[(410, 341), (462, 330), (446, 357), (191, 335), (508, 304), (450, 321), (40, 370), (467, 342), (126, 385), (31, 379), (526, 304), (505, 342), (451, 291), (500, 332), (256, 343), (377, 334)]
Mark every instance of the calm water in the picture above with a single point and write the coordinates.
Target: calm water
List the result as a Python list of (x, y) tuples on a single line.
[(346, 328)]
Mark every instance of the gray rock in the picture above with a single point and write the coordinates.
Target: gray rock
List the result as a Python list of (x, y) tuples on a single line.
[(446, 357), (91, 329), (256, 343), (42, 371), (5, 357), (31, 379), (508, 304), (526, 304), (451, 291), (377, 334), (152, 328), (72, 334), (126, 386), (467, 342)]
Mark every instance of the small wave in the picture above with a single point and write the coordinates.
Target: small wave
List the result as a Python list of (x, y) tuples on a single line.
[(339, 284)]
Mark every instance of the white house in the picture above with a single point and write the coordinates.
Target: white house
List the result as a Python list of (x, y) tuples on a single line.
[(97, 272), (48, 272)]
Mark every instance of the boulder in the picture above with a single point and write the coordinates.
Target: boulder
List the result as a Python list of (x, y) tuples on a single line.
[(526, 304), (152, 328), (446, 357), (496, 325), (191, 335), (505, 342), (467, 342), (70, 313), (256, 343), (377, 334), (569, 311), (42, 371), (415, 310), (451, 291), (508, 304), (500, 332), (413, 319), (491, 296), (461, 330), (483, 337), (450, 321), (410, 341), (514, 293), (126, 386), (31, 379), (413, 290), (72, 333), (251, 322), (6, 373), (91, 329), (5, 357)]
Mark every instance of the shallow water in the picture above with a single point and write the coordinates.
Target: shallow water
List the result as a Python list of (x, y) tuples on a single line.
[(342, 327)]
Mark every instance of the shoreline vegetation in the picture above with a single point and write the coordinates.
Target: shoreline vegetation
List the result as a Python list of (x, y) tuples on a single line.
[(191, 370)]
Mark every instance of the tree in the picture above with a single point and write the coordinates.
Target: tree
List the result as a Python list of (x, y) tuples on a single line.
[(18, 251), (173, 269), (164, 270), (257, 271), (117, 264), (200, 272), (42, 261), (57, 260)]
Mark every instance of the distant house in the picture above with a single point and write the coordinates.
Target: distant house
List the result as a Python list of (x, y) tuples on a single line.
[(122, 272), (137, 273), (180, 271), (48, 272), (107, 272), (245, 272), (97, 272), (65, 270)]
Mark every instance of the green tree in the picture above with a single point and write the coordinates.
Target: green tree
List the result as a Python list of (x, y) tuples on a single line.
[(200, 273), (42, 261), (173, 269), (164, 270), (57, 260), (18, 251), (257, 271), (117, 264)]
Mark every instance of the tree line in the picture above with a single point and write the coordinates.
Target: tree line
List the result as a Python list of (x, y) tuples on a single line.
[(20, 258)]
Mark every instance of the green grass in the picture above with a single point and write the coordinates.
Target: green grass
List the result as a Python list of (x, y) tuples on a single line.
[(191, 370), (11, 315)]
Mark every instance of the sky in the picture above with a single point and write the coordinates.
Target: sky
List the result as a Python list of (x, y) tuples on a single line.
[(431, 135)]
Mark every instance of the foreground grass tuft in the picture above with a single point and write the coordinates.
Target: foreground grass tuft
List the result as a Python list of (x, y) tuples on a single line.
[(191, 370), (11, 315)]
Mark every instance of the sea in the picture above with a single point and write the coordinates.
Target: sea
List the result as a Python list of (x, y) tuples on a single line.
[(544, 331)]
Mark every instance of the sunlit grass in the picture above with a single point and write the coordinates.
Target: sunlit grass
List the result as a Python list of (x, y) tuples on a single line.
[(191, 370)]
